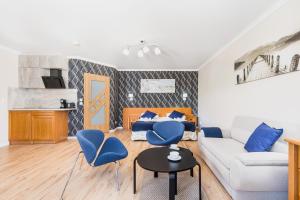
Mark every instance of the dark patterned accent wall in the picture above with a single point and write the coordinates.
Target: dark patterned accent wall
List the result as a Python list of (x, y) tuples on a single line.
[(124, 82), (130, 82), (76, 70)]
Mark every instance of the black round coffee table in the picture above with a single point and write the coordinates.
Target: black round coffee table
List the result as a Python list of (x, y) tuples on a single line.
[(155, 159)]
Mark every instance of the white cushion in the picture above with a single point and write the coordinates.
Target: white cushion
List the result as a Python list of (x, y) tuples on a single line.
[(243, 127), (263, 159), (162, 119), (145, 119), (224, 149)]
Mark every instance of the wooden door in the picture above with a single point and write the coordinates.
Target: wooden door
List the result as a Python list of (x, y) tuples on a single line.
[(96, 102), (43, 126), (19, 126)]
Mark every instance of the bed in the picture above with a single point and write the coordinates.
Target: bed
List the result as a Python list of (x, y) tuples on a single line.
[(139, 127)]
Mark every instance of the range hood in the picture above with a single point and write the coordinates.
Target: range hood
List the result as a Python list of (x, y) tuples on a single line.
[(55, 80)]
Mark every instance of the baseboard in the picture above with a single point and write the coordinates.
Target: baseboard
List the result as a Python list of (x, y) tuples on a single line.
[(117, 128), (72, 138), (4, 144), (110, 131)]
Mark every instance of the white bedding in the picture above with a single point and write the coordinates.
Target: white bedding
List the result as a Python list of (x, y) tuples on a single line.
[(141, 135), (162, 119)]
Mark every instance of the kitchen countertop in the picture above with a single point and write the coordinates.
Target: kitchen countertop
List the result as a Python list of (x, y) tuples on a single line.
[(50, 109)]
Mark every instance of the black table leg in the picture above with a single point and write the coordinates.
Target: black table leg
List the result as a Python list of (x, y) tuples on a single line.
[(199, 167), (155, 174), (134, 176), (192, 172), (172, 186), (175, 183)]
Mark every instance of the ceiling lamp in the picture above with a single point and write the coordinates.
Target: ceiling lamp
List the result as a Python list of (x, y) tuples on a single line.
[(157, 51), (140, 53), (146, 49), (141, 49)]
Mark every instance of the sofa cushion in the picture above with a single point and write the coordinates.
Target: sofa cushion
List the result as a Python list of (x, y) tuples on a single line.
[(148, 114), (258, 178), (263, 138), (224, 149), (263, 159), (175, 114), (213, 132), (243, 127)]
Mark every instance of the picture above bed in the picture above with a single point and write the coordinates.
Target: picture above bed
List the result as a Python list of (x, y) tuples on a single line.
[(157, 85)]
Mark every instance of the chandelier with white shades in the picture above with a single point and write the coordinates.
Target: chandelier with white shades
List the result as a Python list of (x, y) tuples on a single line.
[(141, 49)]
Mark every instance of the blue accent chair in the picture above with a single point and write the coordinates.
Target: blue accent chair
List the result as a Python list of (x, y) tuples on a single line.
[(165, 133), (112, 150)]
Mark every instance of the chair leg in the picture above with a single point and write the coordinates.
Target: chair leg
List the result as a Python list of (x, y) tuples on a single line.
[(67, 183), (117, 175)]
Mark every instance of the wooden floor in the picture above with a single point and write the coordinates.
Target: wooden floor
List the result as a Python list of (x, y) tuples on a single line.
[(40, 172)]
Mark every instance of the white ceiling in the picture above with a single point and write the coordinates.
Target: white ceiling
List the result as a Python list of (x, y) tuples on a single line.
[(188, 31)]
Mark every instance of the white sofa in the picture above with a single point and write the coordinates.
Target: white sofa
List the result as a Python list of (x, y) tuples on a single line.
[(249, 176)]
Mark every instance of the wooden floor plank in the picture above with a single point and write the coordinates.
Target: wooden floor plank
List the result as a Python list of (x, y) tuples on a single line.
[(40, 172)]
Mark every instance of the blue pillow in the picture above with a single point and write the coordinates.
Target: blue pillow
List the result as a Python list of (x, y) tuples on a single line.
[(213, 132), (176, 114), (263, 138), (148, 114)]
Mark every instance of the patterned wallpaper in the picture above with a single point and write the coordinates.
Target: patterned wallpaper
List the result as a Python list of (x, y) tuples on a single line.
[(76, 70), (185, 81), (124, 82)]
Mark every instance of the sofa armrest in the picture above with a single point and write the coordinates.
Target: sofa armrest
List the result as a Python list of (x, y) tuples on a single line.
[(263, 159)]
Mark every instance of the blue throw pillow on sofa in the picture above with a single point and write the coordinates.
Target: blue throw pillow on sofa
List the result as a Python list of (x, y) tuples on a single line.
[(148, 114), (263, 138), (176, 114), (214, 132)]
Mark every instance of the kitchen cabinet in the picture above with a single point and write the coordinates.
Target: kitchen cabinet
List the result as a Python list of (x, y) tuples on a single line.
[(37, 126)]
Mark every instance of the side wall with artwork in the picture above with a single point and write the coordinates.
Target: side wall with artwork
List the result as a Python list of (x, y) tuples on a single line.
[(277, 98), (130, 83)]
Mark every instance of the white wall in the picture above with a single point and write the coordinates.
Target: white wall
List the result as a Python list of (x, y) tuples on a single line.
[(8, 78), (276, 98)]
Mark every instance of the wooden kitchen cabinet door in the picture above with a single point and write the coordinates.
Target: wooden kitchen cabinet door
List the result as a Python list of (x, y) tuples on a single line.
[(20, 126), (43, 126)]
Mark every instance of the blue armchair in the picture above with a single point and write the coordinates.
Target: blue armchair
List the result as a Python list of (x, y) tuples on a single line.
[(112, 150), (165, 133)]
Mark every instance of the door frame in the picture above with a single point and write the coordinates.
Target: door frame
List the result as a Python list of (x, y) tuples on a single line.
[(88, 77)]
